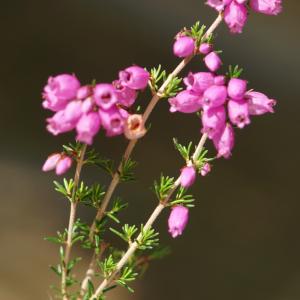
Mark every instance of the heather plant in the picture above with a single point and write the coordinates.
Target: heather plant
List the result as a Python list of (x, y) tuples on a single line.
[(223, 103)]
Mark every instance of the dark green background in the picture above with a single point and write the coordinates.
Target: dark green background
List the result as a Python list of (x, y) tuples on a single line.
[(242, 241)]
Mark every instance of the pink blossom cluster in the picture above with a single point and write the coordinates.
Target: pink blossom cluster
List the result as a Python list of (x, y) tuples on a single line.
[(222, 101), (88, 108), (236, 11)]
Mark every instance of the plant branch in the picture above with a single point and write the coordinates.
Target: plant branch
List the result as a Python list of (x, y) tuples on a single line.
[(148, 111), (133, 247), (72, 217)]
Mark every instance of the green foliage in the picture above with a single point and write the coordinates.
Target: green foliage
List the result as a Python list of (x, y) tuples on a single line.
[(60, 239), (202, 159), (127, 170), (118, 205), (172, 88), (126, 276), (163, 187), (159, 253), (196, 32), (183, 198), (108, 266), (93, 158), (73, 150), (183, 150), (66, 188), (148, 238), (127, 232), (157, 75), (94, 196), (234, 72)]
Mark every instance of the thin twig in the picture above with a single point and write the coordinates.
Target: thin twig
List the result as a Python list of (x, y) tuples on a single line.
[(72, 217), (133, 247)]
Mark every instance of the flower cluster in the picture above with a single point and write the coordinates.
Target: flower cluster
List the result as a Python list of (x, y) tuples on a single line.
[(87, 108), (223, 102), (236, 11)]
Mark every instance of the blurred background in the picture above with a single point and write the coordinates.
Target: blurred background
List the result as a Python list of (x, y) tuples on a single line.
[(242, 241)]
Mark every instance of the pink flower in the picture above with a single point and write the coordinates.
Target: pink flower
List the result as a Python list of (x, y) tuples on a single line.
[(268, 7), (218, 5), (213, 120), (187, 176), (238, 113), (73, 111), (235, 16), (237, 88), (125, 95), (214, 96), (112, 121), (259, 104), (184, 46), (185, 102), (178, 219), (59, 91), (84, 92), (205, 169), (51, 162), (212, 61), (63, 165), (87, 105), (134, 77), (220, 80), (199, 82), (87, 127), (224, 141), (205, 48), (134, 127), (58, 123), (105, 95)]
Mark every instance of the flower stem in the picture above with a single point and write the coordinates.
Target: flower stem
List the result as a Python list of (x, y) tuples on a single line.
[(133, 247), (147, 113), (72, 217)]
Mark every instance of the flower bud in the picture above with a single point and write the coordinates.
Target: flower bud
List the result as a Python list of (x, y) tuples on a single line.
[(214, 96), (185, 102), (218, 5), (184, 46), (268, 7), (205, 48), (187, 176), (237, 88), (220, 80), (87, 127), (59, 91), (212, 61), (134, 127), (178, 219), (134, 77), (51, 162), (199, 82), (105, 95), (235, 16), (238, 113), (213, 120), (259, 103), (205, 169), (63, 165), (224, 141), (84, 92)]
